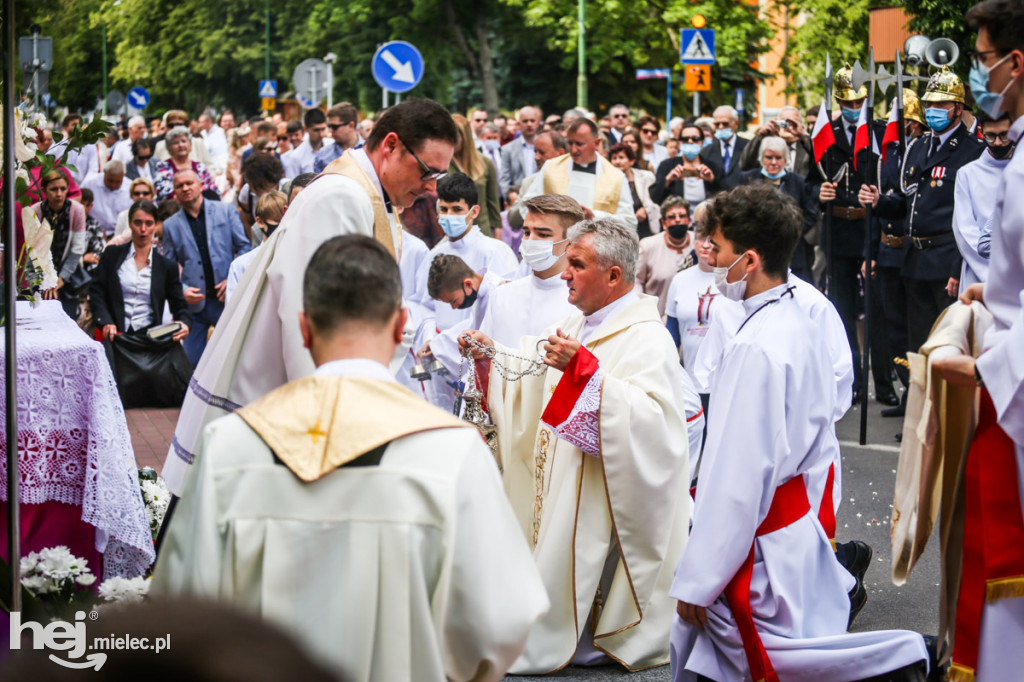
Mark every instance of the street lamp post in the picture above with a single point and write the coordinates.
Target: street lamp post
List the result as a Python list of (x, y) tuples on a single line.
[(103, 28), (329, 59), (581, 79)]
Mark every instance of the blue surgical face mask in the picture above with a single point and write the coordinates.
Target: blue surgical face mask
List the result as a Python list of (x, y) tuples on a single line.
[(989, 102), (707, 141), (453, 225), (770, 176), (492, 145), (936, 118), (851, 115), (723, 134), (690, 150)]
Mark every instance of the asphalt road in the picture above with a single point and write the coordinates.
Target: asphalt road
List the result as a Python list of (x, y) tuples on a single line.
[(869, 474)]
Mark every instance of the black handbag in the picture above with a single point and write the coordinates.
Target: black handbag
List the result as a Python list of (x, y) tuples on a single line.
[(149, 373), (79, 281)]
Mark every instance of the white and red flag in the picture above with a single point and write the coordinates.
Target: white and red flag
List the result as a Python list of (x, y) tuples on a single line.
[(822, 136), (892, 131), (863, 139)]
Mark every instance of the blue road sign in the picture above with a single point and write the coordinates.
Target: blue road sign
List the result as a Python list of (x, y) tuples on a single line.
[(739, 99), (268, 88), (138, 97), (397, 66), (697, 46), (644, 74)]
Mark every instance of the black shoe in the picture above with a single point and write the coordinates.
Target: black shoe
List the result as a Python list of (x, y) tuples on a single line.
[(858, 598), (899, 411), (888, 398), (899, 437), (855, 557)]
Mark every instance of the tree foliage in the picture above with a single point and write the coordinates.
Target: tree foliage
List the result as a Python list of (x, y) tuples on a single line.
[(944, 19), (838, 28)]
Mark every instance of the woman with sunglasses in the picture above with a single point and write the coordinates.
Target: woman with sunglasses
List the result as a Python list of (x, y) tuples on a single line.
[(689, 175), (632, 140), (142, 165), (653, 152)]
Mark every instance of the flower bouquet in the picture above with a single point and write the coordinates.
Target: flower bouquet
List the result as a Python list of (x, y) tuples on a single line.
[(156, 497)]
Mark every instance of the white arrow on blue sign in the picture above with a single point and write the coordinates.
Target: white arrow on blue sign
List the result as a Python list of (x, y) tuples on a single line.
[(397, 66), (268, 88), (138, 97), (698, 46)]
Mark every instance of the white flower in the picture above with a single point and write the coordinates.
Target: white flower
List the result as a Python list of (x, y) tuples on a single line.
[(123, 590), (39, 237), (85, 579)]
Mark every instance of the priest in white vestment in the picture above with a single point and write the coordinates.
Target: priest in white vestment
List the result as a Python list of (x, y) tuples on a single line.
[(990, 613), (344, 509), (256, 347), (593, 447), (760, 593), (589, 178)]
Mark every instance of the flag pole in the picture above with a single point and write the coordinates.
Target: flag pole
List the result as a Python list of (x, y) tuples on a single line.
[(827, 174), (866, 346)]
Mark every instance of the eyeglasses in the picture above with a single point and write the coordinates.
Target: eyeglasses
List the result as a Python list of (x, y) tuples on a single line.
[(428, 172), (480, 120), (676, 219), (690, 139), (992, 138), (620, 115), (142, 193), (648, 131), (335, 126), (144, 158), (976, 56), (723, 124)]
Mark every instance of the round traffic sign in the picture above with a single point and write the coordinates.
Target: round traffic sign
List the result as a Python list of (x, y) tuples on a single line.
[(397, 66), (310, 78)]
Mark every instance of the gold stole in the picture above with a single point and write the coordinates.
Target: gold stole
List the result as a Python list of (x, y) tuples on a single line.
[(347, 166), (316, 424), (607, 185)]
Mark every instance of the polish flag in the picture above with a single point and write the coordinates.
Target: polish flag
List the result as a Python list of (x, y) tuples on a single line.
[(892, 131), (863, 139), (822, 136)]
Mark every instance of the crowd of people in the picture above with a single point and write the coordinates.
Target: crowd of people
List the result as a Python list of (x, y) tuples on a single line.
[(655, 332)]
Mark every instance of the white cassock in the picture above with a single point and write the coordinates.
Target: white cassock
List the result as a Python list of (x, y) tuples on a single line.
[(599, 487), (1001, 365), (256, 345), (361, 520), (414, 251), (977, 186), (823, 315), (772, 408)]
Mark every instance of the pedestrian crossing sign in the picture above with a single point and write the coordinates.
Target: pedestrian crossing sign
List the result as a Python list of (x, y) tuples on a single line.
[(698, 46), (268, 88)]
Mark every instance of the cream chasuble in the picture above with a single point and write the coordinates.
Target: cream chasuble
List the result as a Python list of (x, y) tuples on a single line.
[(621, 400), (606, 191), (256, 346), (406, 564)]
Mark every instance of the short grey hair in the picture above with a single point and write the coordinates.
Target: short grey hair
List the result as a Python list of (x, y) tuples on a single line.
[(136, 120), (113, 168), (176, 132), (774, 144), (615, 243), (727, 110), (490, 128), (790, 107)]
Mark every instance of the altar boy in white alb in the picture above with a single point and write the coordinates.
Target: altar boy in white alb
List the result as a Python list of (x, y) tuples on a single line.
[(760, 593), (256, 346), (593, 448), (350, 512)]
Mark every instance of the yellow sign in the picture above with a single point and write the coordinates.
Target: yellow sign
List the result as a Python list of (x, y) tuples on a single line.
[(698, 77), (269, 103)]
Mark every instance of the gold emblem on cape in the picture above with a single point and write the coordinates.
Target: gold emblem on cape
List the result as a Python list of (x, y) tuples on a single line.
[(316, 433)]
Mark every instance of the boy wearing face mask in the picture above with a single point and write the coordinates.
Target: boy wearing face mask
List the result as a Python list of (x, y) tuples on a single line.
[(975, 198), (931, 270), (528, 305)]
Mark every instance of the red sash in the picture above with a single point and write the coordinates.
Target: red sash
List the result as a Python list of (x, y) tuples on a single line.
[(788, 506), (993, 552), (827, 510)]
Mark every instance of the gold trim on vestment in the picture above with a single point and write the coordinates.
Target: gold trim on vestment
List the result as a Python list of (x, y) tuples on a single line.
[(960, 673), (316, 424), (998, 589), (607, 185), (350, 168)]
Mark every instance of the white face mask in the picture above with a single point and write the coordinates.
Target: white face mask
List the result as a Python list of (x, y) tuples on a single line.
[(539, 255), (731, 290)]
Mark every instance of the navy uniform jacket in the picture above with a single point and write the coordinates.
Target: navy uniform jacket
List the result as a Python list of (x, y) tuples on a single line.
[(888, 184), (928, 208), (847, 235)]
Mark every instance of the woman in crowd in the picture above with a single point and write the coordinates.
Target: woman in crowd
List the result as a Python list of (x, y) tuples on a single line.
[(653, 153), (688, 175), (640, 181), (478, 167), (631, 140), (133, 281), (140, 189), (67, 220), (179, 146), (774, 156)]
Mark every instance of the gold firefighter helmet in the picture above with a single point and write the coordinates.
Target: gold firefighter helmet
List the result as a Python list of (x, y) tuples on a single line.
[(944, 86), (912, 110), (843, 86)]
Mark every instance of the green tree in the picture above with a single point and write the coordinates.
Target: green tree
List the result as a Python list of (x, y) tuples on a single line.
[(944, 20), (838, 28)]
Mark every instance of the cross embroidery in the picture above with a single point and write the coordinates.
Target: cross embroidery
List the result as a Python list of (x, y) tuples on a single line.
[(315, 432)]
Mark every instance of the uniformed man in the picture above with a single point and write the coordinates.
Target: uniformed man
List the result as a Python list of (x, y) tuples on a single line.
[(838, 193), (925, 199), (889, 249)]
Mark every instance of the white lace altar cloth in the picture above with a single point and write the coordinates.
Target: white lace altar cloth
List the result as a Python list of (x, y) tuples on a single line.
[(73, 441)]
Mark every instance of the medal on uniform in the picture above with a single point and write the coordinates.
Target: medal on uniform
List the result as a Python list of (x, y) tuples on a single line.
[(938, 173)]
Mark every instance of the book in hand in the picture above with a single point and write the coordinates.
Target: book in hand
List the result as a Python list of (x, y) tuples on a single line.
[(164, 331)]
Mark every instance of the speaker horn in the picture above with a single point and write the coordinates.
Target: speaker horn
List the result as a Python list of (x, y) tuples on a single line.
[(942, 52), (913, 49)]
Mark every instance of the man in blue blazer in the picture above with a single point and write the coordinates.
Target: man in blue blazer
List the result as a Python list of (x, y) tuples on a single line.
[(204, 237)]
